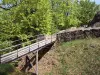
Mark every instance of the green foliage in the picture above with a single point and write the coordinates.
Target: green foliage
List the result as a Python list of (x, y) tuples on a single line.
[(5, 69), (64, 13), (26, 18), (87, 11), (9, 69), (44, 16), (99, 7)]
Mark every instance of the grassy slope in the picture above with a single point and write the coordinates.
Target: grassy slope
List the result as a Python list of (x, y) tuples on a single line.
[(80, 57)]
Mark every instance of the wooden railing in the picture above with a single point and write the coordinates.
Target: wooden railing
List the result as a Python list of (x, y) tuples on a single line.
[(16, 53)]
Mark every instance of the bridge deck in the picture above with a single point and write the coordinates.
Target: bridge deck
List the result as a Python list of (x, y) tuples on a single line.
[(25, 50)]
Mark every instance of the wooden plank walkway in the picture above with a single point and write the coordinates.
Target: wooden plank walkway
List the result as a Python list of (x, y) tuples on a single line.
[(25, 50)]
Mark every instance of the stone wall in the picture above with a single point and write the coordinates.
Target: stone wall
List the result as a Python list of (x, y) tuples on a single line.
[(77, 33)]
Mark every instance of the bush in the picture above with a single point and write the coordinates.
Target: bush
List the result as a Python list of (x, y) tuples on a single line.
[(5, 69)]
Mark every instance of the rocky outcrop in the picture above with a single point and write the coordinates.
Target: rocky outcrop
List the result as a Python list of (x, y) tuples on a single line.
[(96, 20)]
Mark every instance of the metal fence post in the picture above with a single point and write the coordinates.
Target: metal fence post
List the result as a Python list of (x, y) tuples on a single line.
[(0, 58), (37, 57), (51, 37), (29, 48), (38, 41), (17, 53), (37, 62), (45, 39)]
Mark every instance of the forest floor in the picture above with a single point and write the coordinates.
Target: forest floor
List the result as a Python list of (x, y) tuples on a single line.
[(79, 57)]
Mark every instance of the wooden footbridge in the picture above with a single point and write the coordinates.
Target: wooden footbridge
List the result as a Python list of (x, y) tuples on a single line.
[(27, 49), (38, 45)]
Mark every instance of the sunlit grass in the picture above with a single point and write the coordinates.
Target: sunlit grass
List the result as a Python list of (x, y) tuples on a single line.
[(79, 57)]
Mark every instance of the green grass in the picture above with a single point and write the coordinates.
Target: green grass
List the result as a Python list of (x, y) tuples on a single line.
[(79, 57), (5, 69), (9, 69)]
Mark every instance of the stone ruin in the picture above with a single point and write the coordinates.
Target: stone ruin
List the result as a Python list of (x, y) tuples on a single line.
[(78, 33), (96, 20)]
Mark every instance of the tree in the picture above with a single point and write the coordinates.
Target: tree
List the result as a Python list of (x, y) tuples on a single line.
[(20, 19), (87, 11), (65, 13), (27, 18)]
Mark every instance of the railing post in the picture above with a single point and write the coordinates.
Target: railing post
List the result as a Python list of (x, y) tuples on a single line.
[(51, 37), (0, 58), (45, 39), (37, 62), (29, 48), (37, 57), (17, 53), (38, 44)]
